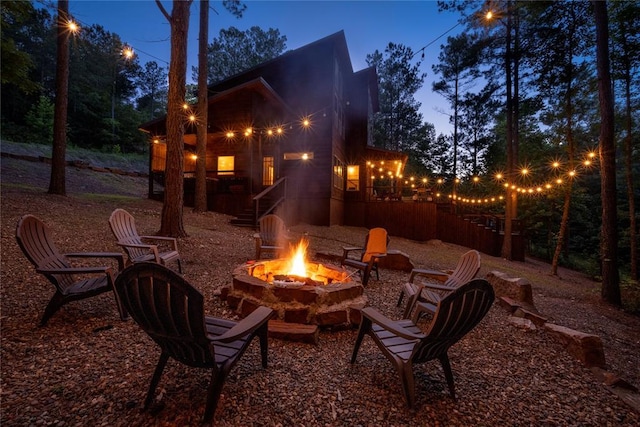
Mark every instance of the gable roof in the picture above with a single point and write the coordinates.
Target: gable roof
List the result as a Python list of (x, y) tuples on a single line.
[(258, 85), (337, 39)]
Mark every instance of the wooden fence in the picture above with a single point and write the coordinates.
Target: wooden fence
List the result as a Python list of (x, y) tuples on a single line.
[(424, 221)]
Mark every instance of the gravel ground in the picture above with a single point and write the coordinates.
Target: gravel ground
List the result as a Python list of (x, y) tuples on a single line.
[(86, 367)]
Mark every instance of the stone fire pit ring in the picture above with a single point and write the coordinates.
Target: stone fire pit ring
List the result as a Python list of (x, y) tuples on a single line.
[(337, 303)]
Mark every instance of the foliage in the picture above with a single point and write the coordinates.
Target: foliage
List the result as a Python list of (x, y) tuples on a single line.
[(103, 84), (16, 64), (397, 124), (152, 85), (40, 121), (458, 69), (234, 51)]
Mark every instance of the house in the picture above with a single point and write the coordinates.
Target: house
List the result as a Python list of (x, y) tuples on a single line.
[(291, 136)]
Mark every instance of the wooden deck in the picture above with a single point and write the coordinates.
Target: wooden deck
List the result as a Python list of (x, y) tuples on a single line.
[(425, 221)]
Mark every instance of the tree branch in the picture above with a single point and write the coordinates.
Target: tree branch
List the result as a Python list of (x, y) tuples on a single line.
[(163, 10)]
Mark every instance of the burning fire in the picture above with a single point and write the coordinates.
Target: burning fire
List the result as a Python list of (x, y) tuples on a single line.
[(296, 269), (298, 259)]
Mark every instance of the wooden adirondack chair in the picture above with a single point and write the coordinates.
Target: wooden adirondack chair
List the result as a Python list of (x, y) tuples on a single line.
[(428, 294), (272, 236), (375, 247), (171, 312), (123, 226), (35, 241), (405, 345)]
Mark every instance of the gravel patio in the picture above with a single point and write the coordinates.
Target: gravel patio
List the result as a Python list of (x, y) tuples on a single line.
[(86, 367)]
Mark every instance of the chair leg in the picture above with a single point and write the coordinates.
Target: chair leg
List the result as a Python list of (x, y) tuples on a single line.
[(448, 374), (263, 335), (408, 385), (124, 315), (365, 327), (218, 377), (420, 311), (57, 301), (411, 303), (365, 277), (162, 362), (179, 266), (400, 298)]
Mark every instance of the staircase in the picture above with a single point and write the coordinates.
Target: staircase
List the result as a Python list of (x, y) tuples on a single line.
[(264, 203)]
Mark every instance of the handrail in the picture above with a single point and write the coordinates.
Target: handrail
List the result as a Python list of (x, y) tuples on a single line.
[(280, 184), (270, 188)]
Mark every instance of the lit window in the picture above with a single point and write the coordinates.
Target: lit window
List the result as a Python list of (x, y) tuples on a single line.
[(225, 165), (353, 178), (298, 156), (267, 170)]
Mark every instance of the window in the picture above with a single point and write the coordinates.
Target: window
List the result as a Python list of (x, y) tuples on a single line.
[(338, 173), (353, 178), (298, 156), (267, 170), (226, 165)]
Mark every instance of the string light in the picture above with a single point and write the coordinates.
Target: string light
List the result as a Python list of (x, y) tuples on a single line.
[(128, 52), (73, 27), (525, 172)]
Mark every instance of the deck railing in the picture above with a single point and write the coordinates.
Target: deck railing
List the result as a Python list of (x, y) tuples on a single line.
[(268, 199), (425, 221)]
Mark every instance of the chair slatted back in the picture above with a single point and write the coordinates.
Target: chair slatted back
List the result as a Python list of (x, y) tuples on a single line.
[(375, 243), (169, 309), (457, 314), (123, 226), (272, 230), (466, 269), (34, 239)]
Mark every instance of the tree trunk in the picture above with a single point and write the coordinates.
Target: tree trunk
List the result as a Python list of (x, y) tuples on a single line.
[(172, 220), (571, 148), (510, 198), (610, 291), (200, 202), (563, 231), (57, 183), (628, 165)]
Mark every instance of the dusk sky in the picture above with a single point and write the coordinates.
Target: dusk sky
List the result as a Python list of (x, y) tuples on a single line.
[(368, 25)]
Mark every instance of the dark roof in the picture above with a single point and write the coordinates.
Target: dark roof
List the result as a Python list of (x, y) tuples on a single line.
[(258, 85), (381, 153), (337, 39), (371, 76)]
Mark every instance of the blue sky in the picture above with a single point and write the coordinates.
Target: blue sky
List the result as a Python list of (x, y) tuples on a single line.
[(368, 25)]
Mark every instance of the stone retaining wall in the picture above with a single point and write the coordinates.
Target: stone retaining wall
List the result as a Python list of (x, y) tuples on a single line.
[(516, 296)]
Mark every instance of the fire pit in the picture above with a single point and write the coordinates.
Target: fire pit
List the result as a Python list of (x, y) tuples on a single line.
[(299, 291)]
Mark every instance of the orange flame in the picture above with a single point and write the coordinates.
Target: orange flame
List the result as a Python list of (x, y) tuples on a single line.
[(298, 260)]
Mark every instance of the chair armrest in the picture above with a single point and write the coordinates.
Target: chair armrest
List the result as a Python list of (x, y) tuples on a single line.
[(115, 255), (163, 239), (435, 286), (389, 325), (136, 245), (151, 248), (246, 326), (74, 270), (347, 249), (432, 274)]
